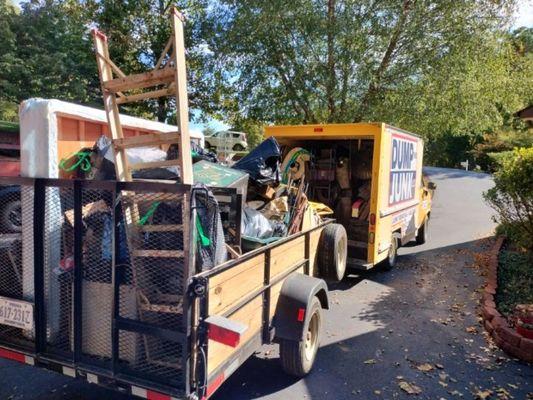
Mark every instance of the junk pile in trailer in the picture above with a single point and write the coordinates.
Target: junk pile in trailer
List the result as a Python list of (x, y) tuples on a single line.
[(143, 264)]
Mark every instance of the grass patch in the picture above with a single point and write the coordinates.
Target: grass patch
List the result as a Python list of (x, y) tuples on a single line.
[(515, 280)]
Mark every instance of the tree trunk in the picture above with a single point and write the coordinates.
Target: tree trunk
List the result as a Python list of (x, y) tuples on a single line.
[(331, 83)]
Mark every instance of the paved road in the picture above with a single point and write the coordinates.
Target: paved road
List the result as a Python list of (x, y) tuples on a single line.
[(381, 326)]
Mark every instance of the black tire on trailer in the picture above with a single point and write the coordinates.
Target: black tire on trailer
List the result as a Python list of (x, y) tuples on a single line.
[(238, 147), (422, 235), (298, 357), (11, 217), (208, 146), (390, 262), (333, 252)]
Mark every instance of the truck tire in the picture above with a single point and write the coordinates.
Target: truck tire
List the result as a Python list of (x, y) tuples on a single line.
[(11, 217), (332, 252), (390, 262), (422, 234), (238, 147), (298, 357)]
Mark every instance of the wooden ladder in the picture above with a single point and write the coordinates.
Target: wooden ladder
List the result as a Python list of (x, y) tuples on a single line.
[(167, 78)]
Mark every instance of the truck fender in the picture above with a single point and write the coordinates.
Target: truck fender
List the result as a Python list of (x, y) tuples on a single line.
[(294, 300)]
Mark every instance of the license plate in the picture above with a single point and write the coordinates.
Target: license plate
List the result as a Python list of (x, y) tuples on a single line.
[(16, 313)]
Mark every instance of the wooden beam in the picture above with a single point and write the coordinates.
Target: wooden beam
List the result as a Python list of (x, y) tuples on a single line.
[(139, 81), (113, 66), (182, 103), (147, 95), (151, 139), (155, 164), (164, 53)]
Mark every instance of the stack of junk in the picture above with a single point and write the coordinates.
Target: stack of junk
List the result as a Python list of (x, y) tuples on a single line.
[(280, 192)]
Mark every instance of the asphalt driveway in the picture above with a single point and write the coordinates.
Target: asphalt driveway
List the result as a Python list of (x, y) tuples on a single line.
[(414, 329)]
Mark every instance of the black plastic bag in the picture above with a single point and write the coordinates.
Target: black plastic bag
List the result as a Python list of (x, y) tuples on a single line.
[(262, 163)]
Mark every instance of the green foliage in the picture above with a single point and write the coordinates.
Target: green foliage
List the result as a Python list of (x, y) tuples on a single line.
[(515, 281), (254, 131), (208, 130), (512, 195)]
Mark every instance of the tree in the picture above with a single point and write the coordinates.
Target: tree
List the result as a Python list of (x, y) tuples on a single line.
[(438, 68)]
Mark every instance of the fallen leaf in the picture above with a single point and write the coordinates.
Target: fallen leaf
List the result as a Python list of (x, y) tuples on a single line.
[(377, 392), (439, 366), (410, 388), (370, 361), (426, 367), (471, 329), (482, 394)]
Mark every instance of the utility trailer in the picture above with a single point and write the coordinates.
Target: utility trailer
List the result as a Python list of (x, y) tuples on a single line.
[(74, 297)]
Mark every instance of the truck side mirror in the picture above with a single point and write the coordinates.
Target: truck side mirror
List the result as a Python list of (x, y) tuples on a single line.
[(432, 186)]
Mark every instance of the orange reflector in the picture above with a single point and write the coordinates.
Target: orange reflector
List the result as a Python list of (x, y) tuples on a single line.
[(372, 219), (318, 130), (371, 236), (301, 314)]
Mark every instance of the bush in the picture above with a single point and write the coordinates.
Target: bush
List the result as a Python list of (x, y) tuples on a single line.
[(512, 196)]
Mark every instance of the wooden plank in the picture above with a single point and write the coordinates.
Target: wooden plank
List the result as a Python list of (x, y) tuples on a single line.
[(158, 253), (110, 104), (160, 228), (230, 286), (139, 81), (151, 139), (314, 239), (147, 95), (251, 316), (113, 66), (149, 198), (155, 164), (182, 102), (286, 256), (164, 53)]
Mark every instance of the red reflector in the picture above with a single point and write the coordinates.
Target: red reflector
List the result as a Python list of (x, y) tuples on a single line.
[(372, 219), (214, 385), (301, 314), (318, 130), (150, 395), (225, 336), (11, 355)]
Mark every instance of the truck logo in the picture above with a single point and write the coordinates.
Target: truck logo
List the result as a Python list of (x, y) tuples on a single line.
[(403, 169)]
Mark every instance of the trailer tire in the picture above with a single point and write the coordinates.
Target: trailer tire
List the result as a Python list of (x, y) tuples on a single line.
[(333, 252), (297, 357), (422, 234), (11, 217), (390, 262)]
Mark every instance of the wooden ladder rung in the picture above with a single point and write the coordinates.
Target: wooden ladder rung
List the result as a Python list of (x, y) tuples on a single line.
[(154, 164), (158, 253), (148, 198), (162, 308), (161, 228), (146, 95), (140, 81), (150, 139)]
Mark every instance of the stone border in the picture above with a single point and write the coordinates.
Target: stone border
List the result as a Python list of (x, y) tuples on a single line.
[(496, 325)]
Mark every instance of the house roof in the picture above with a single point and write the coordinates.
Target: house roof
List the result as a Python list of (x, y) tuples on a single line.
[(526, 113)]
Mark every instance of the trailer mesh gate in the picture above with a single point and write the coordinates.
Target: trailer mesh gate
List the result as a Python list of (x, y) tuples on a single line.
[(106, 265)]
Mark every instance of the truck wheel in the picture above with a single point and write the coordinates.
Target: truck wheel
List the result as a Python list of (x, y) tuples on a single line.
[(238, 147), (422, 235), (332, 252), (11, 217), (298, 357), (390, 262)]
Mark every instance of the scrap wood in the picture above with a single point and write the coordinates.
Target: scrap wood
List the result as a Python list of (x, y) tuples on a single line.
[(88, 210), (233, 253)]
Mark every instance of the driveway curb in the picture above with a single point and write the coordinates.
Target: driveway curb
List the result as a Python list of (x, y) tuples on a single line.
[(496, 325)]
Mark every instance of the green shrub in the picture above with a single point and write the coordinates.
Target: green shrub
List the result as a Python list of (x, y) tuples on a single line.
[(512, 196)]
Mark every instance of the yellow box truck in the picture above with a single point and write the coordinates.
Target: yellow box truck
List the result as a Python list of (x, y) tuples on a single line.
[(370, 176)]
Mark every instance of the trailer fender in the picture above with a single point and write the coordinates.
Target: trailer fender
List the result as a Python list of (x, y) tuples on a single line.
[(294, 300)]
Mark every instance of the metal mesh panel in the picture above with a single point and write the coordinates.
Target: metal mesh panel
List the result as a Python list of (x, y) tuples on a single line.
[(154, 358), (155, 236), (97, 264), (16, 276), (58, 267), (153, 281)]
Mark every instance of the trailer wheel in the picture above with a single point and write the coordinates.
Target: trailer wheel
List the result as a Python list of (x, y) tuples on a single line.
[(422, 235), (298, 357), (11, 217), (332, 252), (390, 262)]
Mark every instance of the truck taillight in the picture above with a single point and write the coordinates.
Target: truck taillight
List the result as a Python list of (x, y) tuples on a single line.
[(371, 237), (372, 219)]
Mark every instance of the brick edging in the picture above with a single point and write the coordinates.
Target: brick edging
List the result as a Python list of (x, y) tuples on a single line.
[(496, 325)]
